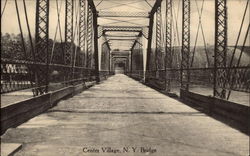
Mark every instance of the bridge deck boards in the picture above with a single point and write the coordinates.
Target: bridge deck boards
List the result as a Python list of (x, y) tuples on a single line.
[(121, 112)]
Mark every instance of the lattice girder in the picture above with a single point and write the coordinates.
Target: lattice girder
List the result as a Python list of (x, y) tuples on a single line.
[(41, 46), (185, 74), (159, 54), (89, 37), (121, 28), (103, 29), (123, 14), (68, 49), (82, 28), (168, 56), (220, 52)]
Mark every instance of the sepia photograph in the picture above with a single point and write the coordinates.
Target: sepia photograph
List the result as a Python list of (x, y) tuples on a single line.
[(125, 78)]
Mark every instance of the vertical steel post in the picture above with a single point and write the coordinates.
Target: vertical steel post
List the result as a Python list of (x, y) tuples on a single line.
[(158, 40), (141, 54), (220, 49), (68, 50), (150, 32), (82, 28), (131, 63), (131, 57), (149, 50), (168, 56), (96, 57), (109, 61), (89, 37), (185, 51), (41, 46), (93, 27), (68, 47)]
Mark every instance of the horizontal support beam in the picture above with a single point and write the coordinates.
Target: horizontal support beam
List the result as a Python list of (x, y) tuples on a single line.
[(124, 14), (122, 28), (124, 57), (121, 36), (119, 39)]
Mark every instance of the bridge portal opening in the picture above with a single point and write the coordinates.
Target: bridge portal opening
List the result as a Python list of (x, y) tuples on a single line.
[(120, 68)]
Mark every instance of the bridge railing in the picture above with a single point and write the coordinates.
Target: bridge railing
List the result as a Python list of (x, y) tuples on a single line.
[(16, 75), (104, 74), (136, 74), (201, 79), (20, 74)]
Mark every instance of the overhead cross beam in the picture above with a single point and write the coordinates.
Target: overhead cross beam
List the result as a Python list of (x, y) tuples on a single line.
[(120, 39), (139, 29), (121, 28), (123, 14), (120, 36)]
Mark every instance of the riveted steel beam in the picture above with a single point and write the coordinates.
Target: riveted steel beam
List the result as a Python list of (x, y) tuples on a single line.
[(69, 13), (158, 52), (150, 31), (220, 49), (185, 49), (95, 37), (168, 49), (123, 14), (82, 28), (41, 46)]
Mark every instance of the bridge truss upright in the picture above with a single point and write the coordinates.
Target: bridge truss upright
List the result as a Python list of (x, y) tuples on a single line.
[(220, 49), (168, 46), (41, 47), (185, 49)]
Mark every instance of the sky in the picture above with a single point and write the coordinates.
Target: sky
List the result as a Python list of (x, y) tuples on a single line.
[(235, 14)]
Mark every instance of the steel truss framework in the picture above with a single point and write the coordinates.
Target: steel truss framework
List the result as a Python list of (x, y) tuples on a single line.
[(220, 52), (94, 39), (69, 41), (150, 32), (40, 68), (69, 16), (82, 28), (155, 65), (168, 56), (120, 28), (89, 38), (105, 57), (41, 46), (136, 57), (103, 29), (159, 63), (185, 51)]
